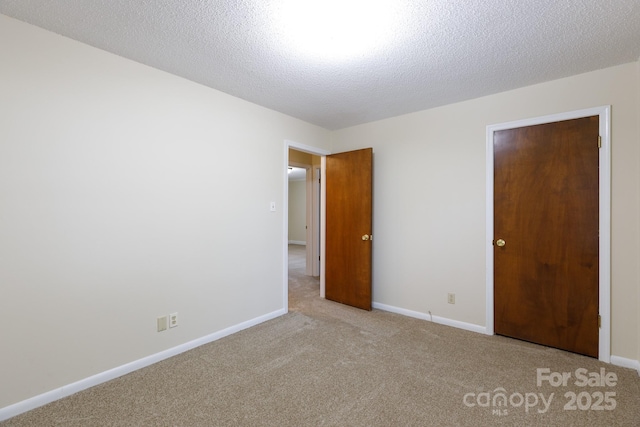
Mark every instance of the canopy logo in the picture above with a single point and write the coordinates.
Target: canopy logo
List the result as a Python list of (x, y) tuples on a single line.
[(500, 402), (594, 397)]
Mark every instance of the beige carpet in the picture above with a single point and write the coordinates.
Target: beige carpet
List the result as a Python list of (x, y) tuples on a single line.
[(325, 364)]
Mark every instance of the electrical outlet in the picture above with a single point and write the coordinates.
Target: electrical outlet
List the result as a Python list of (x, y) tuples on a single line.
[(162, 323), (451, 298), (173, 320)]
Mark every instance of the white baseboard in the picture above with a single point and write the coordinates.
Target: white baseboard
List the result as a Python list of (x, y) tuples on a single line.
[(298, 242), (615, 360), (626, 363), (67, 390), (435, 319)]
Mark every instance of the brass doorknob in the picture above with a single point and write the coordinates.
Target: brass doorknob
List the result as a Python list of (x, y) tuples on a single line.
[(365, 237), (500, 242)]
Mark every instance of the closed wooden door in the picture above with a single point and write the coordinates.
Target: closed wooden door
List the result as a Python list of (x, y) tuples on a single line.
[(546, 234), (349, 228)]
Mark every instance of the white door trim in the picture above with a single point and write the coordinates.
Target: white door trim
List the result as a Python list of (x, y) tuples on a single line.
[(285, 214), (604, 112), (315, 220)]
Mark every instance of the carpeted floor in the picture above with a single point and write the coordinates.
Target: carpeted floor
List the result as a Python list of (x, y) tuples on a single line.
[(325, 364)]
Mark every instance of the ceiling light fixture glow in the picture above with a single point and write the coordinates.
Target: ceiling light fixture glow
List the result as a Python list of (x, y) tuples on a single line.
[(336, 30)]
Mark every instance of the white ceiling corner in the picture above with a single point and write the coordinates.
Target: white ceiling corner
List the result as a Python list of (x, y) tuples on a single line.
[(441, 51)]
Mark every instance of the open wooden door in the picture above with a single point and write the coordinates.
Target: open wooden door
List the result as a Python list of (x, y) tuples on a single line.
[(349, 178)]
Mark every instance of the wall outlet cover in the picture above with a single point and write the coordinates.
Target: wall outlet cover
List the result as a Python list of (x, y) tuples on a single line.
[(162, 323), (173, 320)]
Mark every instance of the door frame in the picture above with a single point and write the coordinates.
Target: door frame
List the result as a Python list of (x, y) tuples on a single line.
[(604, 279), (315, 219), (285, 214)]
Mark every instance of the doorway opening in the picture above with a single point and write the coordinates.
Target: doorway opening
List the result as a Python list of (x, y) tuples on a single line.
[(304, 213), (304, 208)]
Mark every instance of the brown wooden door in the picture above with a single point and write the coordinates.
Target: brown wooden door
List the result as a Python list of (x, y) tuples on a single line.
[(546, 212), (349, 227)]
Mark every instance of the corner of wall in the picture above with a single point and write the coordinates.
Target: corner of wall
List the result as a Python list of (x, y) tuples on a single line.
[(638, 137)]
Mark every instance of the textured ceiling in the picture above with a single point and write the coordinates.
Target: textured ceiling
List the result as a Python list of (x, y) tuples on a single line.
[(439, 51)]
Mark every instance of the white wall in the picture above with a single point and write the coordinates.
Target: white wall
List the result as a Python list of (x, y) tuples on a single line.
[(120, 203), (297, 211), (430, 201)]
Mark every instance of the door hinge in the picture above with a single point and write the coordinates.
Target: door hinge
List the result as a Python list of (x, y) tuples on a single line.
[(599, 141), (599, 321)]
